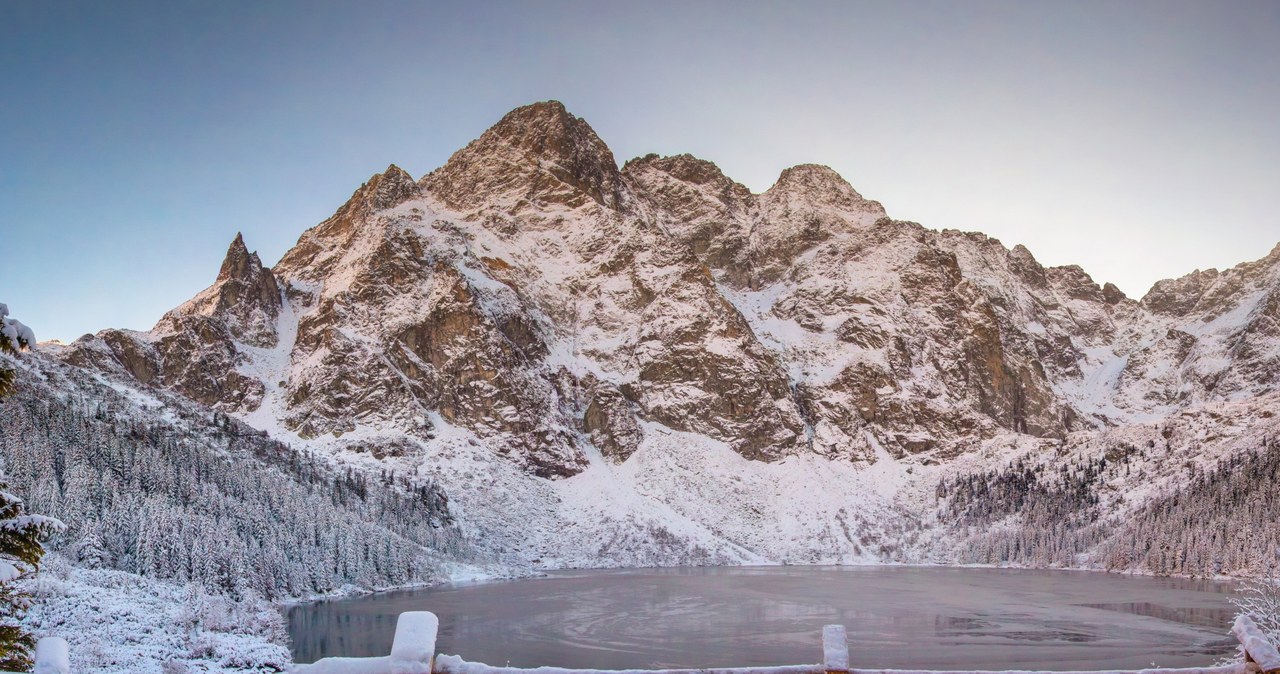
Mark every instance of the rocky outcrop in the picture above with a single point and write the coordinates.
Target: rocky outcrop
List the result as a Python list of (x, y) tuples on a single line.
[(692, 201), (245, 298), (808, 204), (316, 252), (610, 421), (198, 348), (197, 358)]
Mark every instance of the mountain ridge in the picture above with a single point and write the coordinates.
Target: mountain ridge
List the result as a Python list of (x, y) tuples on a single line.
[(563, 316)]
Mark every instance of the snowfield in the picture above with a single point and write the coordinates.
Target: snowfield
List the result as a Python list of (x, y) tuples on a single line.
[(121, 623)]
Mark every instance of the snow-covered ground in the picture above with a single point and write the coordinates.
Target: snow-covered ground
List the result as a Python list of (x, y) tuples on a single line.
[(120, 623)]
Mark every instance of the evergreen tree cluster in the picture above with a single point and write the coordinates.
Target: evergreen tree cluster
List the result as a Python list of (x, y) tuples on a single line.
[(1226, 520), (1026, 513), (1220, 521), (218, 503)]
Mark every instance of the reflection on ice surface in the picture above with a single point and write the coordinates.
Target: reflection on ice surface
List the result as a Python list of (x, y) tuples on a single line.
[(897, 617)]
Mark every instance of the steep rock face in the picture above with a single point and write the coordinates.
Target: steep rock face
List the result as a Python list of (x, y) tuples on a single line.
[(1210, 335), (808, 204), (320, 247), (197, 358), (695, 365), (898, 338), (1179, 297), (245, 297), (397, 323), (691, 200), (116, 351), (813, 252), (624, 300), (533, 298), (610, 421)]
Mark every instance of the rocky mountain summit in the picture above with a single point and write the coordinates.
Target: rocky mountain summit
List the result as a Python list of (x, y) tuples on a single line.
[(553, 311), (530, 290)]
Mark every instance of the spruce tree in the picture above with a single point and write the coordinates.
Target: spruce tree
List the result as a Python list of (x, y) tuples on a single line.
[(13, 337), (20, 533)]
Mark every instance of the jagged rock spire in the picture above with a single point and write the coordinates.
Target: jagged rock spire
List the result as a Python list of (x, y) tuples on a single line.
[(239, 263), (245, 297)]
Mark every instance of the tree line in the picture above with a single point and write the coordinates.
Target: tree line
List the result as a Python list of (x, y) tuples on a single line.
[(1220, 520), (217, 503)]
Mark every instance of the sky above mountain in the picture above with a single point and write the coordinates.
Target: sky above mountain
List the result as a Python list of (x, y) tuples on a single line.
[(1135, 139)]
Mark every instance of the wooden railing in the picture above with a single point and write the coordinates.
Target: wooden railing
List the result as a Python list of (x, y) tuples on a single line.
[(413, 652), (1258, 652)]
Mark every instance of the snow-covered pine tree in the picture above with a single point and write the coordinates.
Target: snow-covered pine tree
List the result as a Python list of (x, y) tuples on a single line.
[(14, 336), (20, 533), (90, 551)]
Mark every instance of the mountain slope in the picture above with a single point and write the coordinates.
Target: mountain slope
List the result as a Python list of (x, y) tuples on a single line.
[(651, 364)]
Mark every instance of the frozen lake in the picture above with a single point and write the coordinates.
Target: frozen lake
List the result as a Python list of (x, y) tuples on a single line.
[(897, 617)]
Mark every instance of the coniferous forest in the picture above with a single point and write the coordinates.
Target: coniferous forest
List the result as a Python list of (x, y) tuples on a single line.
[(212, 501), (1222, 521)]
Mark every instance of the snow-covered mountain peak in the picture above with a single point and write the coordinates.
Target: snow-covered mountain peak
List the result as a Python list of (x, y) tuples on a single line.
[(318, 249), (380, 192), (818, 186), (688, 169), (536, 156)]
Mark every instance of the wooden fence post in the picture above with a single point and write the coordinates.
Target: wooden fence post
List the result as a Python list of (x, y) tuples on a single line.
[(835, 649), (52, 656), (413, 650), (1256, 647)]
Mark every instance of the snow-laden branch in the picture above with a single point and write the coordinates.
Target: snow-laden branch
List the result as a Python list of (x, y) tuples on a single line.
[(52, 655), (22, 522), (9, 571), (15, 331)]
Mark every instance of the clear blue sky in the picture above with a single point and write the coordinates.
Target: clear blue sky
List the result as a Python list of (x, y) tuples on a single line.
[(1137, 139)]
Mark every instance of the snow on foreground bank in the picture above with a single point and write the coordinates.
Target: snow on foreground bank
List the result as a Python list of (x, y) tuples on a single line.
[(117, 622)]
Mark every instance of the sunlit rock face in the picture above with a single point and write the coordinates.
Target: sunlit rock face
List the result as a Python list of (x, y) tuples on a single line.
[(538, 299)]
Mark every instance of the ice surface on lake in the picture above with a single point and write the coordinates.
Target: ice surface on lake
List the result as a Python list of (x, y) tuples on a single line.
[(926, 618)]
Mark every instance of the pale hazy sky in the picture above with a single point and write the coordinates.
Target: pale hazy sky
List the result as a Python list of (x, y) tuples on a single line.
[(1137, 139)]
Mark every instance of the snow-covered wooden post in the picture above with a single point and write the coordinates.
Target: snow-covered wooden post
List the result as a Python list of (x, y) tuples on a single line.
[(835, 649), (1256, 647), (52, 656), (413, 650)]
